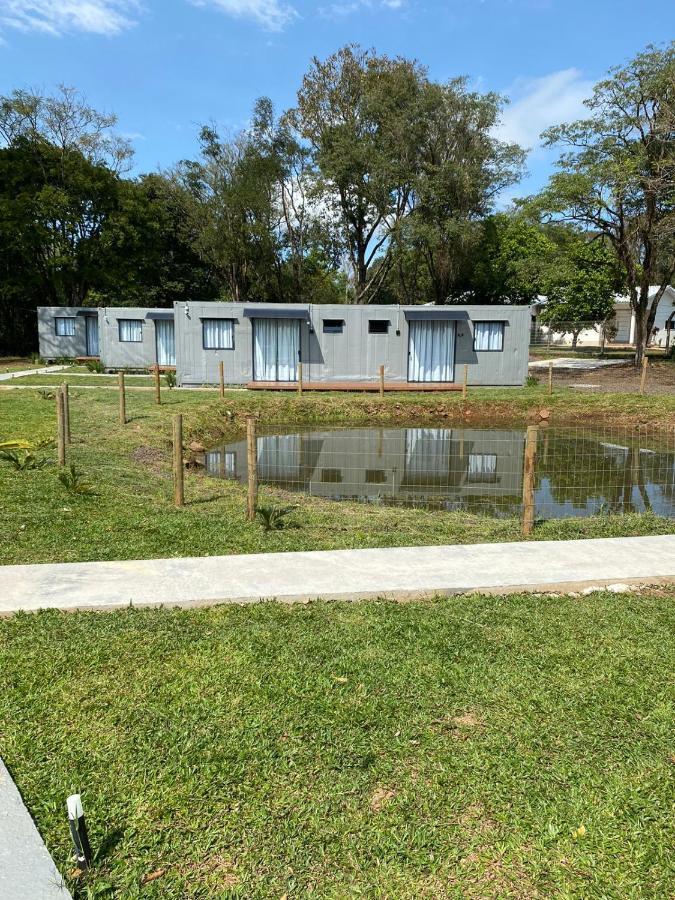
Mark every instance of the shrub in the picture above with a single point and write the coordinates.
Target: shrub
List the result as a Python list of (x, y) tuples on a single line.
[(532, 381), (72, 481), (274, 518), (170, 379), (94, 365)]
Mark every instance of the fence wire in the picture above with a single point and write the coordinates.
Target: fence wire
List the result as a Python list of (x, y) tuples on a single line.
[(578, 472)]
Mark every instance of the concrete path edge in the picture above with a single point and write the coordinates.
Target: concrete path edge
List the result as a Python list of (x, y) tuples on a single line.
[(392, 573)]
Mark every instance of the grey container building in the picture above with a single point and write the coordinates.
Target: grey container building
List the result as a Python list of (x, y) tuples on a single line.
[(136, 337), (67, 332), (264, 342)]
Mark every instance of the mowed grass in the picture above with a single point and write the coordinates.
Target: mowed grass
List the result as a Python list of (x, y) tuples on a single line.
[(131, 513), (470, 747)]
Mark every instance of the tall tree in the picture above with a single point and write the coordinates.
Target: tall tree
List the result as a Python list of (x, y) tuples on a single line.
[(460, 170), (617, 172), (360, 113)]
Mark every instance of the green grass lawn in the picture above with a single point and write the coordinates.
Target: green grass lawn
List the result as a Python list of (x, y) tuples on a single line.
[(131, 515), (468, 747)]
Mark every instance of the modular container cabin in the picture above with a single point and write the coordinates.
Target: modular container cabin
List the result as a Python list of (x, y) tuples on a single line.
[(137, 337), (68, 332), (262, 344)]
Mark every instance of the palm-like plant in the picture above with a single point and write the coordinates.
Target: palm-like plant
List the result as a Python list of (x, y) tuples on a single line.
[(274, 518)]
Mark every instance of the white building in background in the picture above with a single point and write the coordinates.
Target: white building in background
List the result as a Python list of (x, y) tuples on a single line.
[(623, 332)]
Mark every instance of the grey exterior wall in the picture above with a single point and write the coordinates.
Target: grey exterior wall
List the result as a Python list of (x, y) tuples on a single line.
[(116, 354), (353, 355), (53, 346)]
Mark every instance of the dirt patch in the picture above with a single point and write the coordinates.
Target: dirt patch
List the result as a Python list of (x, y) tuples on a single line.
[(619, 379), (381, 796), (152, 457)]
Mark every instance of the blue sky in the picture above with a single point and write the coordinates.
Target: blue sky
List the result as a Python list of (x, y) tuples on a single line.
[(165, 66)]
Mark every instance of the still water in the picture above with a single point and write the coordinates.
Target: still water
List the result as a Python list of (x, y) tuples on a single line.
[(579, 473)]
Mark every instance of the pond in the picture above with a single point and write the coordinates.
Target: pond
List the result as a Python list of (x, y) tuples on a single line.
[(578, 472)]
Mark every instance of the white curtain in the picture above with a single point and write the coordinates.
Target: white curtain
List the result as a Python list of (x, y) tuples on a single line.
[(427, 451), (488, 336), (432, 351), (221, 463), (131, 330), (279, 457), (92, 335), (277, 346), (165, 342), (65, 327), (482, 466), (218, 334)]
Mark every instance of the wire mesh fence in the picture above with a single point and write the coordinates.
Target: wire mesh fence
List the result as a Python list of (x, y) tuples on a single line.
[(577, 471)]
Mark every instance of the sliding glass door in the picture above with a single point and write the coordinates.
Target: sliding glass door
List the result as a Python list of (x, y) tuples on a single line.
[(431, 350), (91, 323), (276, 349), (165, 342)]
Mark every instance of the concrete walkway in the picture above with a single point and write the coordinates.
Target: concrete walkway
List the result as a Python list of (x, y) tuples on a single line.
[(401, 572), (27, 871), (583, 364), (45, 370)]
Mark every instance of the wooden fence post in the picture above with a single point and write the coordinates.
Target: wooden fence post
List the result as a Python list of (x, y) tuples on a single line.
[(299, 377), (221, 376), (465, 382), (60, 428), (381, 381), (550, 378), (158, 387), (178, 486), (252, 460), (66, 411), (123, 399), (529, 471), (643, 377)]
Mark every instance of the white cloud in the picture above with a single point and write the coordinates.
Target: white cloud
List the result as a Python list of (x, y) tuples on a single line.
[(60, 16), (347, 7), (538, 103), (271, 14)]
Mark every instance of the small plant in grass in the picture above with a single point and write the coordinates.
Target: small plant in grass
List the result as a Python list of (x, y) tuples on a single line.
[(532, 381), (94, 365), (274, 518), (36, 359), (170, 379), (73, 482), (22, 460), (46, 395)]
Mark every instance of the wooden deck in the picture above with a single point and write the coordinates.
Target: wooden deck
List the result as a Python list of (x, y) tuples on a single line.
[(367, 386)]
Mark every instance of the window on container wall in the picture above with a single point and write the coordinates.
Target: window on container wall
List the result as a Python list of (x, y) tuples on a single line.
[(65, 327), (333, 326), (130, 330), (218, 334), (488, 336), (378, 326)]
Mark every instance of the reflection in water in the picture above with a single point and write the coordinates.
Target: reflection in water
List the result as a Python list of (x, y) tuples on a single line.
[(480, 470)]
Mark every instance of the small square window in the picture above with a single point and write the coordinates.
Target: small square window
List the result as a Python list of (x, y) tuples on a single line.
[(488, 336), (333, 326), (65, 327), (482, 468), (130, 331), (376, 476), (378, 326), (331, 476), (218, 334)]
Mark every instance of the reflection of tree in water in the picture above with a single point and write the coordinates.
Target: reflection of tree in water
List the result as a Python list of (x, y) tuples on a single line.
[(577, 470)]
